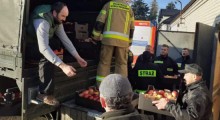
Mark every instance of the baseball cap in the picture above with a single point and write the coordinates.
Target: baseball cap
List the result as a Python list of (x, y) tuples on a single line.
[(115, 85), (192, 68)]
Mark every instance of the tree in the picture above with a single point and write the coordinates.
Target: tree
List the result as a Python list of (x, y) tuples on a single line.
[(171, 5), (153, 10), (140, 10)]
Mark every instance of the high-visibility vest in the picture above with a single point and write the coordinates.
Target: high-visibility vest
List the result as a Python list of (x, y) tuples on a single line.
[(118, 18)]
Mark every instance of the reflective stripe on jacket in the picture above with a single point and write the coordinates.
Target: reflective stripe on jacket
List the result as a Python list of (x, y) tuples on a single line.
[(118, 19)]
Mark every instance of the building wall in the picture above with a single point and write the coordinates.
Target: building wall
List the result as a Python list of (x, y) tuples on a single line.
[(204, 11), (164, 26)]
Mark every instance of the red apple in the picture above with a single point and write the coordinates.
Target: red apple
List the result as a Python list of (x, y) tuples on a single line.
[(81, 94), (96, 98), (169, 96), (86, 95), (86, 92), (155, 93), (91, 90), (161, 92), (91, 97), (175, 94), (150, 92)]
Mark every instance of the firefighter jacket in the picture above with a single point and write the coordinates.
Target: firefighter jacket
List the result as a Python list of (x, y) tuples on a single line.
[(116, 24), (42, 12), (196, 103), (144, 74), (140, 58), (182, 61), (167, 65)]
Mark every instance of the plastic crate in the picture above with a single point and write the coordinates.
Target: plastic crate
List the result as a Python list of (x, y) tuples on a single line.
[(88, 103)]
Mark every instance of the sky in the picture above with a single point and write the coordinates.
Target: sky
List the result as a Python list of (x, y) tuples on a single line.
[(163, 3)]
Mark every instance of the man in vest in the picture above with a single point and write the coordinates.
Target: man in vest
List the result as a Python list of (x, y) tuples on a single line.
[(116, 22), (45, 21)]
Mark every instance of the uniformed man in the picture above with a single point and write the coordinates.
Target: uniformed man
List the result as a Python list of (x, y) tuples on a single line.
[(167, 65), (184, 59), (116, 23), (148, 48), (181, 62), (145, 73)]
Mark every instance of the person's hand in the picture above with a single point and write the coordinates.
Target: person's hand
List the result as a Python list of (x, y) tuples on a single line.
[(96, 38), (68, 70), (82, 62), (160, 104), (91, 40), (171, 77)]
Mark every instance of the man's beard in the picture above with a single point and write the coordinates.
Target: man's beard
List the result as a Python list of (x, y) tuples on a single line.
[(56, 21)]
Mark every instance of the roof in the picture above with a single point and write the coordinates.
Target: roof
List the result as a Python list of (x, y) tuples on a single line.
[(167, 12), (170, 19), (184, 9)]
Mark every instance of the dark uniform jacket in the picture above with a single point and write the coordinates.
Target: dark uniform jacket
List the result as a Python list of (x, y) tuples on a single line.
[(123, 114), (196, 103), (144, 74), (167, 65), (140, 58), (130, 61), (181, 61)]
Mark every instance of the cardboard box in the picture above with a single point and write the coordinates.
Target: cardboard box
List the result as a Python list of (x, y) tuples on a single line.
[(81, 27), (146, 104), (81, 31)]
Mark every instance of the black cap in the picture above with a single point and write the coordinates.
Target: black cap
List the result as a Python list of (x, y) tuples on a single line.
[(192, 68)]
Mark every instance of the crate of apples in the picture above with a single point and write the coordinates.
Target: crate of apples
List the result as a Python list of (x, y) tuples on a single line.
[(89, 98), (91, 93), (158, 94)]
